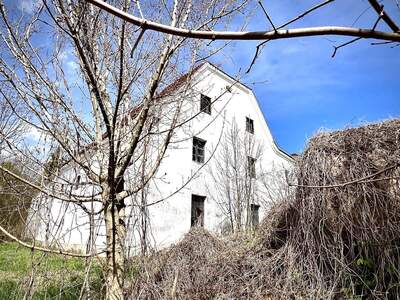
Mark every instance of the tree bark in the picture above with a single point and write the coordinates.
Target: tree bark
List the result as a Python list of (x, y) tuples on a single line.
[(114, 213)]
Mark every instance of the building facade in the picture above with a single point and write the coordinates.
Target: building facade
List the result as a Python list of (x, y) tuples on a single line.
[(221, 127)]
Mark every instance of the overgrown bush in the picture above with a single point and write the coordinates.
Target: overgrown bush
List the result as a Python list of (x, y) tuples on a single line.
[(337, 238)]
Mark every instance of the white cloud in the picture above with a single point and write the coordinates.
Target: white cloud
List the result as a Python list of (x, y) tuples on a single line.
[(69, 62), (28, 6), (72, 65), (33, 134)]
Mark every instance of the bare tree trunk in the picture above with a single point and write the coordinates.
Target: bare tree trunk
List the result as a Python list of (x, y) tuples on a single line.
[(143, 208), (101, 135), (144, 219), (230, 214), (114, 214)]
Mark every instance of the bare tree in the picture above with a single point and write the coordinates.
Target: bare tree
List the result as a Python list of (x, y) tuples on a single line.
[(91, 84), (276, 32), (234, 172), (246, 177), (11, 127)]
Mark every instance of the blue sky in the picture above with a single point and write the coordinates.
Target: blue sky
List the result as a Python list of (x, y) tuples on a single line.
[(306, 89), (303, 88)]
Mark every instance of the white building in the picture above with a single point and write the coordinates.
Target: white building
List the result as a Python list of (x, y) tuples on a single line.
[(183, 193)]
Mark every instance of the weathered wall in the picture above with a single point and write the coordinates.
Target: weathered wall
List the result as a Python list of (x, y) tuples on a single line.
[(170, 218)]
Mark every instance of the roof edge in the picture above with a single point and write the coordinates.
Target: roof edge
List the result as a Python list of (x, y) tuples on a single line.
[(220, 70)]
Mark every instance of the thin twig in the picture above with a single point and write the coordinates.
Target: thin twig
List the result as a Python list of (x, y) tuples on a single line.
[(336, 48), (266, 14), (259, 46), (356, 181), (33, 247), (258, 49), (137, 41), (385, 17)]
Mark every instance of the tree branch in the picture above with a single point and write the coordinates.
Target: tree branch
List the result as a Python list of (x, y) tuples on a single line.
[(365, 179), (266, 14), (251, 35), (42, 190), (385, 17), (33, 247)]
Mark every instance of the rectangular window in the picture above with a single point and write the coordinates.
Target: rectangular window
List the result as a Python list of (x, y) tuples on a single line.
[(205, 104), (255, 218), (249, 125), (198, 150), (251, 164), (197, 215), (77, 182)]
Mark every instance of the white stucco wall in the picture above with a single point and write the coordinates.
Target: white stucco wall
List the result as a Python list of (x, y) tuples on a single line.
[(170, 219)]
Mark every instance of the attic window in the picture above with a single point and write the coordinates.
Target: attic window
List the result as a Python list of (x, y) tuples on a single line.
[(155, 121), (251, 164), (249, 125), (197, 213), (198, 150), (205, 104)]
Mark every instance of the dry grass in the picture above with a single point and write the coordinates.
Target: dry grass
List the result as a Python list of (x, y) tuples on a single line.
[(338, 238)]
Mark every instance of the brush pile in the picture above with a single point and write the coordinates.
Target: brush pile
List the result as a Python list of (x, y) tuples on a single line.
[(336, 237)]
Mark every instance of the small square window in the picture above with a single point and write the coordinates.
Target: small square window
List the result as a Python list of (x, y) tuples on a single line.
[(198, 150), (197, 214), (251, 164), (155, 121), (249, 125), (254, 215), (205, 104)]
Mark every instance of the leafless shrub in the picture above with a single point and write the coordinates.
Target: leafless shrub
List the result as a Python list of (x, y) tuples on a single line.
[(338, 238)]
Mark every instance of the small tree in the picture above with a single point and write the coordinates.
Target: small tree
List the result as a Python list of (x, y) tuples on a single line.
[(242, 182), (92, 84), (235, 175)]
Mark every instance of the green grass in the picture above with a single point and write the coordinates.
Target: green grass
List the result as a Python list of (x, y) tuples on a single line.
[(55, 276)]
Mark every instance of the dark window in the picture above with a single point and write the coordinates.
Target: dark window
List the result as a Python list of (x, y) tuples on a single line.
[(77, 182), (249, 125), (251, 164), (254, 214), (205, 104), (155, 121), (198, 150), (197, 216)]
